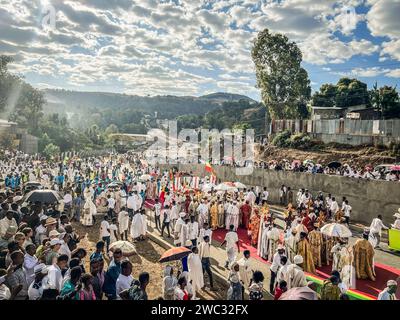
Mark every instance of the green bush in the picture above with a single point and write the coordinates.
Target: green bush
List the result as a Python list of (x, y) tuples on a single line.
[(282, 140)]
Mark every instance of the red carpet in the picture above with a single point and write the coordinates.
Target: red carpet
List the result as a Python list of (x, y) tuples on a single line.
[(383, 272)]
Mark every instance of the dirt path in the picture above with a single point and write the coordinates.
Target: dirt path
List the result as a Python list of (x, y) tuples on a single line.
[(146, 260)]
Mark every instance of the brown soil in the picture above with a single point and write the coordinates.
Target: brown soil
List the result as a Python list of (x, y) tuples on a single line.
[(354, 156), (148, 254)]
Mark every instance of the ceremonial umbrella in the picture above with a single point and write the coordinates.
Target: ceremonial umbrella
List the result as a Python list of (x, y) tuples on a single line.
[(115, 184), (173, 254), (336, 230), (43, 196), (240, 185), (225, 187), (208, 186), (127, 248), (300, 293), (334, 165), (145, 177)]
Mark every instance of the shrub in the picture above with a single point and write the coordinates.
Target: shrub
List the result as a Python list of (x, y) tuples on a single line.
[(282, 140)]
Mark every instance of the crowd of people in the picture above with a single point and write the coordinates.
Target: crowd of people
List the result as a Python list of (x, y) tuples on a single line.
[(41, 256)]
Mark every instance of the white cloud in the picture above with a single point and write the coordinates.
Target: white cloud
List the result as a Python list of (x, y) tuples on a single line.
[(181, 47)]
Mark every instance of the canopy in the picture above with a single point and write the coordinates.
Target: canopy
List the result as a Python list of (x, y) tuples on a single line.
[(173, 254), (336, 230)]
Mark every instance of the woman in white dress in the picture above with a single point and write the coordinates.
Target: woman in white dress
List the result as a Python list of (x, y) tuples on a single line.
[(89, 210)]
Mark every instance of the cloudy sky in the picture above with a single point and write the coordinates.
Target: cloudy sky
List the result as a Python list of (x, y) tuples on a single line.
[(193, 47)]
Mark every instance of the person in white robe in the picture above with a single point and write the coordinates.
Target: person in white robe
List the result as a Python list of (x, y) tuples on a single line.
[(123, 223), (195, 271), (89, 210), (245, 271), (177, 229), (202, 210), (136, 225), (232, 246), (273, 241), (144, 224), (396, 224), (291, 245), (282, 274), (184, 235)]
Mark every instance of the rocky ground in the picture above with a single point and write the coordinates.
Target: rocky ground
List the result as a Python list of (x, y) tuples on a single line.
[(354, 156), (148, 254)]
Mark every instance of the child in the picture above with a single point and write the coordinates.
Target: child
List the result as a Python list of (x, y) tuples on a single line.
[(98, 254), (281, 288), (87, 292)]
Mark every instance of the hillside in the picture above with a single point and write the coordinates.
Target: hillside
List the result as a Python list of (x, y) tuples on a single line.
[(63, 101)]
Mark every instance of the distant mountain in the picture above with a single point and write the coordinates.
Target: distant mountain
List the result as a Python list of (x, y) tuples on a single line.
[(76, 102), (224, 96)]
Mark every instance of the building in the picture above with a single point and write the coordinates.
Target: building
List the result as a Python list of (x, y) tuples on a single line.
[(21, 139), (359, 112)]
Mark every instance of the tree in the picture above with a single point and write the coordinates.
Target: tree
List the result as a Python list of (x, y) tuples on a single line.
[(6, 141), (283, 82), (112, 128), (51, 150), (6, 81), (346, 93), (386, 101)]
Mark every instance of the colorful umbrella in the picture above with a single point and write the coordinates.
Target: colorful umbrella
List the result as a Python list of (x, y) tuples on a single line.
[(395, 168), (174, 254)]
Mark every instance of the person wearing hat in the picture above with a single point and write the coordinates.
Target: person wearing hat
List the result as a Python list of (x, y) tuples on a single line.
[(50, 224), (296, 276), (304, 249), (364, 258), (8, 237), (389, 293), (35, 289), (316, 241), (52, 255), (396, 224)]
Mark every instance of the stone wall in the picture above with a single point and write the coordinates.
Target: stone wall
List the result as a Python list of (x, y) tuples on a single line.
[(367, 198)]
